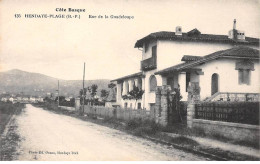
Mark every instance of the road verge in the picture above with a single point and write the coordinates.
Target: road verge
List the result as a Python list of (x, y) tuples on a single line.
[(152, 131)]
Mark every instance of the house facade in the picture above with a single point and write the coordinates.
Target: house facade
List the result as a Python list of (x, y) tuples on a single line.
[(218, 63)]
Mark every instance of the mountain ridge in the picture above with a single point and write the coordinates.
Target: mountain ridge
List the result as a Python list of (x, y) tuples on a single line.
[(16, 81)]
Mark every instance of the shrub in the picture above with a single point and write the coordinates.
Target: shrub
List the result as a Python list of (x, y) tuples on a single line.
[(142, 127), (133, 124)]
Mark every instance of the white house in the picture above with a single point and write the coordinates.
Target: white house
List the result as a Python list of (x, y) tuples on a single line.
[(220, 63), (235, 70), (4, 99), (11, 99)]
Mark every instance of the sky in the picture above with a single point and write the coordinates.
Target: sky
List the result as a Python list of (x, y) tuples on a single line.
[(59, 47)]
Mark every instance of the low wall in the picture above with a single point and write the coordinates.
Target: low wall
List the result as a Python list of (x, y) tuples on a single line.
[(124, 114), (67, 108), (229, 130)]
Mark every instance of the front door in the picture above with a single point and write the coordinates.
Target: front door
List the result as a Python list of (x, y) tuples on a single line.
[(214, 84)]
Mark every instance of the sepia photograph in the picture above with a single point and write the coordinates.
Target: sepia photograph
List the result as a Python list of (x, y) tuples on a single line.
[(129, 80)]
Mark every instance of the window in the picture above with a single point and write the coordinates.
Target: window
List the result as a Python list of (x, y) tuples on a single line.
[(125, 105), (244, 76), (139, 106), (154, 54), (244, 68), (170, 81), (139, 83), (153, 83), (187, 80), (146, 46)]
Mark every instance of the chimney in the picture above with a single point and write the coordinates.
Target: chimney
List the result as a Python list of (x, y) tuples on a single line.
[(178, 30), (234, 25), (235, 34)]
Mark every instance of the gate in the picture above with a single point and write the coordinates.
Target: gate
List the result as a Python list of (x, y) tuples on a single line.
[(174, 107)]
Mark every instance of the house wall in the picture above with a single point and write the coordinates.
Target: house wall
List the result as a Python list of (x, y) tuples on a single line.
[(169, 53), (148, 53), (150, 95), (228, 77), (130, 103)]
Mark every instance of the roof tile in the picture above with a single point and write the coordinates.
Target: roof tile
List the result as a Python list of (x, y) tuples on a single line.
[(201, 37)]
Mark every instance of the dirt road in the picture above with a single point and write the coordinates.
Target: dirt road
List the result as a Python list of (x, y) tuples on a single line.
[(49, 136)]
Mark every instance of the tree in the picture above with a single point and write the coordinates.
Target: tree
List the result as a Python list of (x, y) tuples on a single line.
[(61, 98), (93, 90), (104, 94), (47, 99), (81, 91), (135, 94), (112, 86)]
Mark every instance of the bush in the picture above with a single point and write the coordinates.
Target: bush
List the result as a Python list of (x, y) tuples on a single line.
[(139, 131), (142, 127), (133, 124)]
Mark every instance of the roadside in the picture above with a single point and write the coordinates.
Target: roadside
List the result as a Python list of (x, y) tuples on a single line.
[(48, 136), (10, 139), (178, 136)]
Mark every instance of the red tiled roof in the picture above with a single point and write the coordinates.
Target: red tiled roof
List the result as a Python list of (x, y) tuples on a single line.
[(243, 52), (139, 74), (165, 35)]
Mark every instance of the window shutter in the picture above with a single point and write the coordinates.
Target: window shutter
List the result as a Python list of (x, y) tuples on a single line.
[(154, 54), (240, 76)]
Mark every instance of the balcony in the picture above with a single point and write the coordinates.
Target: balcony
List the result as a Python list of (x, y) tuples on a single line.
[(148, 64)]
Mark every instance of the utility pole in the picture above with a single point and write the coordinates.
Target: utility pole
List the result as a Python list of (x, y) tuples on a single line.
[(83, 94), (58, 93)]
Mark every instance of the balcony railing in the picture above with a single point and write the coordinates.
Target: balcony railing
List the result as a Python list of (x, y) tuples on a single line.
[(148, 64)]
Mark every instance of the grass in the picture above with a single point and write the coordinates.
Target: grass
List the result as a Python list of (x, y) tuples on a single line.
[(255, 145), (9, 142), (141, 127), (7, 109), (184, 141)]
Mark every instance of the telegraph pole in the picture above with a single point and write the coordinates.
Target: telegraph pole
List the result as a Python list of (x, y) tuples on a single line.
[(83, 94), (58, 93)]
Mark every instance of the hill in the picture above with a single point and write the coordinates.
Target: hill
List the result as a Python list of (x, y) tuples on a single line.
[(16, 81)]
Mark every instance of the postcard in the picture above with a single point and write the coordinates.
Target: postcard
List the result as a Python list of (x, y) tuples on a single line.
[(121, 80)]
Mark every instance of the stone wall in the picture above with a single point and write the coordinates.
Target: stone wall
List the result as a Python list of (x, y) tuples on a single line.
[(229, 130), (193, 98), (235, 131), (161, 105)]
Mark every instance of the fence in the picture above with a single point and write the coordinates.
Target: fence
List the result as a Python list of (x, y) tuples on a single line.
[(236, 112), (68, 108), (230, 96), (119, 113)]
